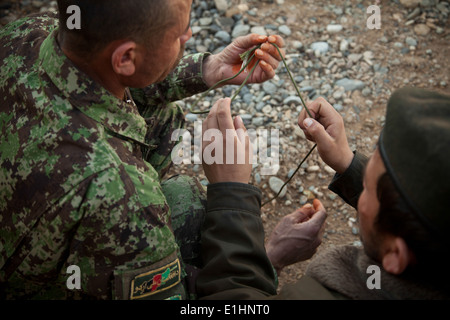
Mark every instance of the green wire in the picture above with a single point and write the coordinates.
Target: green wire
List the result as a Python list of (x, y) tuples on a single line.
[(252, 55)]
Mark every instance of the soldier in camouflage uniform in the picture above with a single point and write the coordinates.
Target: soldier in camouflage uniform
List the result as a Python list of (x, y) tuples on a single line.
[(81, 167)]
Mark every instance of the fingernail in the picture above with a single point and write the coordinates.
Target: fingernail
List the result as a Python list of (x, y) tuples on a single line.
[(272, 39), (262, 38), (308, 122)]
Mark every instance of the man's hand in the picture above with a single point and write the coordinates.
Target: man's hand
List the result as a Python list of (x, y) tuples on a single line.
[(227, 151), (328, 132), (228, 62), (297, 236)]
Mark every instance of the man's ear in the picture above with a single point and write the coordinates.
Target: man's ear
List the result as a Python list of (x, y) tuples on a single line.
[(123, 59), (397, 256)]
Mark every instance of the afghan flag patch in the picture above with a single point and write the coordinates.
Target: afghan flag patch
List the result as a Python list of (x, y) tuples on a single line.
[(155, 281)]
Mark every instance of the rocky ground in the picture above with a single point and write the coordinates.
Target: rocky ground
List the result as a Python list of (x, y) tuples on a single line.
[(331, 53)]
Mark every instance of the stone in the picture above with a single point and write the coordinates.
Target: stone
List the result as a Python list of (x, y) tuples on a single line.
[(276, 184), (422, 29), (221, 5), (343, 46), (321, 47), (414, 14), (191, 117), (205, 21), (297, 44), (223, 36), (410, 41), (303, 199), (292, 99), (410, 3), (270, 88), (284, 29), (259, 30), (246, 118), (334, 28), (258, 121), (240, 30), (267, 109), (350, 84), (314, 168)]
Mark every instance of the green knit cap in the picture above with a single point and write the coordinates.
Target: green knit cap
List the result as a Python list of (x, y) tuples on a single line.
[(415, 148)]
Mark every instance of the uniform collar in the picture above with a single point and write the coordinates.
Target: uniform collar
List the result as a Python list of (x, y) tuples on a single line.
[(120, 117)]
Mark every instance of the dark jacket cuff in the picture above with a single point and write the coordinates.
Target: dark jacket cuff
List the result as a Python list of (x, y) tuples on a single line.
[(234, 196), (349, 184)]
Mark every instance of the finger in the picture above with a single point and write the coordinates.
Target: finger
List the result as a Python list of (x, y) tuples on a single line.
[(243, 138), (324, 112), (249, 41), (240, 129), (318, 133), (303, 115), (308, 209), (224, 119), (302, 214), (318, 206), (267, 69), (278, 40), (266, 57), (318, 220), (211, 119), (271, 50), (204, 129)]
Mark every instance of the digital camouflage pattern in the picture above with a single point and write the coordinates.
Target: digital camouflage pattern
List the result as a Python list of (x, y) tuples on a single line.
[(81, 170)]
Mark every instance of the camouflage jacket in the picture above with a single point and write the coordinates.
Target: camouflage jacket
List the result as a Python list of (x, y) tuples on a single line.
[(74, 188)]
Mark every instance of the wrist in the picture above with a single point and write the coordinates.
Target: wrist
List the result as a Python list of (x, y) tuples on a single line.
[(345, 163), (209, 72), (274, 261)]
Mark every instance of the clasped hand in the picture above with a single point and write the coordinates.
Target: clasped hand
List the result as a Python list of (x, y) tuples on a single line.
[(227, 63)]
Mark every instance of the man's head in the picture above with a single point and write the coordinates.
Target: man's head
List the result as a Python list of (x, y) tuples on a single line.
[(137, 41), (403, 209)]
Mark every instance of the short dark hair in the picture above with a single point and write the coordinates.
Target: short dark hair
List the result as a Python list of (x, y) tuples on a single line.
[(396, 218), (104, 21)]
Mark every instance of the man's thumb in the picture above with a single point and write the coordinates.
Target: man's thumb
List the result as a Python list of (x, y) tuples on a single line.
[(316, 131)]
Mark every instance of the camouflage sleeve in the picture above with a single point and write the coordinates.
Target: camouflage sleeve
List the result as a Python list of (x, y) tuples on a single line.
[(124, 230), (185, 81), (112, 229)]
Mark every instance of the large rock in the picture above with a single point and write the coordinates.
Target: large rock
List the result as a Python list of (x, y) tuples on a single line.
[(320, 46), (350, 84), (410, 3), (240, 30), (221, 5), (276, 184), (422, 29)]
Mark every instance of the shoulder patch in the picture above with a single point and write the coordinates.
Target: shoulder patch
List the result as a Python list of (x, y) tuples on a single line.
[(156, 281)]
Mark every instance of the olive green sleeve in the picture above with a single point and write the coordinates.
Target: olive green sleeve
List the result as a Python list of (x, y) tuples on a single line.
[(236, 265), (349, 185)]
